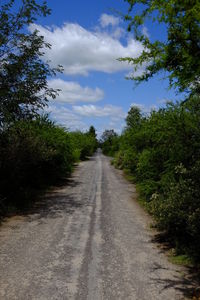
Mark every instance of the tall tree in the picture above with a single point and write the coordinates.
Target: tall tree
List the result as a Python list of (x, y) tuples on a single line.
[(92, 131), (109, 142), (179, 54), (23, 73), (108, 135), (134, 117)]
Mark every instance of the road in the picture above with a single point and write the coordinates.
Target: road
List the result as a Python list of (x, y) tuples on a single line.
[(87, 240)]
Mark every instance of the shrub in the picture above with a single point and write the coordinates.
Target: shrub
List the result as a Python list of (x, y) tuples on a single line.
[(32, 155), (83, 144)]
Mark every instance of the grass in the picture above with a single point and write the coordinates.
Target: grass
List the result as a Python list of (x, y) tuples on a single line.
[(183, 259), (128, 175), (140, 199)]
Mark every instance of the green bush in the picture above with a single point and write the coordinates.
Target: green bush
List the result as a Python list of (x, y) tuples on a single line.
[(32, 154), (126, 159), (83, 144), (178, 210), (109, 142)]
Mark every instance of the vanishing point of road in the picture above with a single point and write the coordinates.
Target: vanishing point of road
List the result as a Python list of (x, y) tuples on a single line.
[(87, 240)]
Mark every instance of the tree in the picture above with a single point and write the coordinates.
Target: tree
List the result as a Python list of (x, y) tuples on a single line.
[(23, 73), (179, 54), (108, 135), (134, 117), (92, 132), (109, 142)]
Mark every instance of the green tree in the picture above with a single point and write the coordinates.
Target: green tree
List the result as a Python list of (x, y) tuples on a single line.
[(93, 138), (108, 135), (179, 54), (92, 131), (33, 154), (134, 117), (109, 142), (23, 73), (84, 144)]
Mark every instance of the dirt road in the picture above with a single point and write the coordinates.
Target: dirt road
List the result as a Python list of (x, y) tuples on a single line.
[(88, 240)]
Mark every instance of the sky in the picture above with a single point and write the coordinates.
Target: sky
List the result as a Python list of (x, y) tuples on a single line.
[(86, 38)]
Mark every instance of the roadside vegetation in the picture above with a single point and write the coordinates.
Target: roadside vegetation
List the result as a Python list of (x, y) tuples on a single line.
[(35, 154), (34, 151), (160, 151)]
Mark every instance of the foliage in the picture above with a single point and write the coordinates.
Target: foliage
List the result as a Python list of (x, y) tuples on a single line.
[(178, 55), (34, 154), (92, 132), (109, 142), (85, 144), (23, 73), (133, 118), (162, 154)]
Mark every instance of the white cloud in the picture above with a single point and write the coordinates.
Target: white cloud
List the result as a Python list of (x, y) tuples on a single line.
[(118, 33), (75, 120), (144, 108), (65, 117), (138, 72), (145, 31), (106, 20), (114, 112), (164, 101), (72, 92), (80, 50), (140, 106)]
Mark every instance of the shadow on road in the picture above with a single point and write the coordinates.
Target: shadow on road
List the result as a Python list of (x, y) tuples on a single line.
[(52, 203), (189, 283)]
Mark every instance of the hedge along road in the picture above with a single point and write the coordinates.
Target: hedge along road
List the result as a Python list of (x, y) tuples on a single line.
[(87, 240)]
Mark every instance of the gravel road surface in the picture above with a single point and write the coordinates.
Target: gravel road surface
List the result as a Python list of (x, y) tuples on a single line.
[(87, 240)]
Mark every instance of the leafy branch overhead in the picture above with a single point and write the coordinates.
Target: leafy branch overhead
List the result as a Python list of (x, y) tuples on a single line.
[(179, 55), (23, 74)]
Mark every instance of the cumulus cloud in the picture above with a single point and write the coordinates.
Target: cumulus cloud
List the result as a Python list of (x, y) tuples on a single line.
[(140, 106), (106, 20), (145, 108), (65, 117), (164, 101), (72, 92), (115, 112), (77, 119), (118, 32), (81, 51)]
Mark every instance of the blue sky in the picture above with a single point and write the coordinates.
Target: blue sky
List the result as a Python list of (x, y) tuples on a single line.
[(87, 37)]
